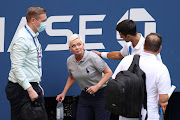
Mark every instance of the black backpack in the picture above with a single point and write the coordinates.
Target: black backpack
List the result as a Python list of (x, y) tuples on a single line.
[(126, 94)]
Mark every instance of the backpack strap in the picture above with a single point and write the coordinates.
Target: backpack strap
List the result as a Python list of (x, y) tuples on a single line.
[(134, 62)]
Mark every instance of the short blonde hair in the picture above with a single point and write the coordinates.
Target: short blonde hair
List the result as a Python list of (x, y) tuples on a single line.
[(74, 37)]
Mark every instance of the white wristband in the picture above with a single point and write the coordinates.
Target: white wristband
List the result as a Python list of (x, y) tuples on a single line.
[(104, 55)]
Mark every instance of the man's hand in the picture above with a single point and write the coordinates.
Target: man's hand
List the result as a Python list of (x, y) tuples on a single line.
[(97, 52), (32, 93), (163, 106)]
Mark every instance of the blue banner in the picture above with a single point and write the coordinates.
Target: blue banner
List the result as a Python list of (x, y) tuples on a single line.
[(95, 21)]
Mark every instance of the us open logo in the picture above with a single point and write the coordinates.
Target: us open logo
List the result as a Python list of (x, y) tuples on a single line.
[(138, 14)]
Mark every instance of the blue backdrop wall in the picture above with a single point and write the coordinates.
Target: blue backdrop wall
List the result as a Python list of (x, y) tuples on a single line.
[(95, 20)]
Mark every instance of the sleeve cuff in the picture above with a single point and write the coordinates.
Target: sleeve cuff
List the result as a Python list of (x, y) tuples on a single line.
[(25, 84)]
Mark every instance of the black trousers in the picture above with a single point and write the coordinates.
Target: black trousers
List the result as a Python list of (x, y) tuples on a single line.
[(18, 96), (114, 117), (91, 107)]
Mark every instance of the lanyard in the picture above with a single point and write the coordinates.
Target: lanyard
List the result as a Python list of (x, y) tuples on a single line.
[(33, 39), (129, 50), (38, 52)]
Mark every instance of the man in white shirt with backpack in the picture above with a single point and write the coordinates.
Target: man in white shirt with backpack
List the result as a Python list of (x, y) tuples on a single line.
[(158, 82)]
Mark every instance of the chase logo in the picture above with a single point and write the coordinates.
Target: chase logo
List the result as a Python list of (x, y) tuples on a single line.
[(138, 14)]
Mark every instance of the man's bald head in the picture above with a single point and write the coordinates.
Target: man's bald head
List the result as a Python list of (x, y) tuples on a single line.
[(153, 42)]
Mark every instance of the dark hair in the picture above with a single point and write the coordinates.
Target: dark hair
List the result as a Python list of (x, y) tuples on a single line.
[(153, 42), (34, 12), (127, 27)]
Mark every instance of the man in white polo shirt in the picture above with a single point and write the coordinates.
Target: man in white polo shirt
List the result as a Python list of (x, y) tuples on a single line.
[(134, 45), (158, 82)]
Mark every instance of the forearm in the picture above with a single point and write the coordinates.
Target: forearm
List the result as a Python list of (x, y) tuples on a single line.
[(104, 80), (163, 98), (115, 55), (107, 74)]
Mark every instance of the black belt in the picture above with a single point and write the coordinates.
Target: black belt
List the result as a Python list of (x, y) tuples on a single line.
[(101, 90), (32, 83)]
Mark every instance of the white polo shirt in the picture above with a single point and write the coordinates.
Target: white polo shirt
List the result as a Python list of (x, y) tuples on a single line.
[(138, 49), (157, 81)]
